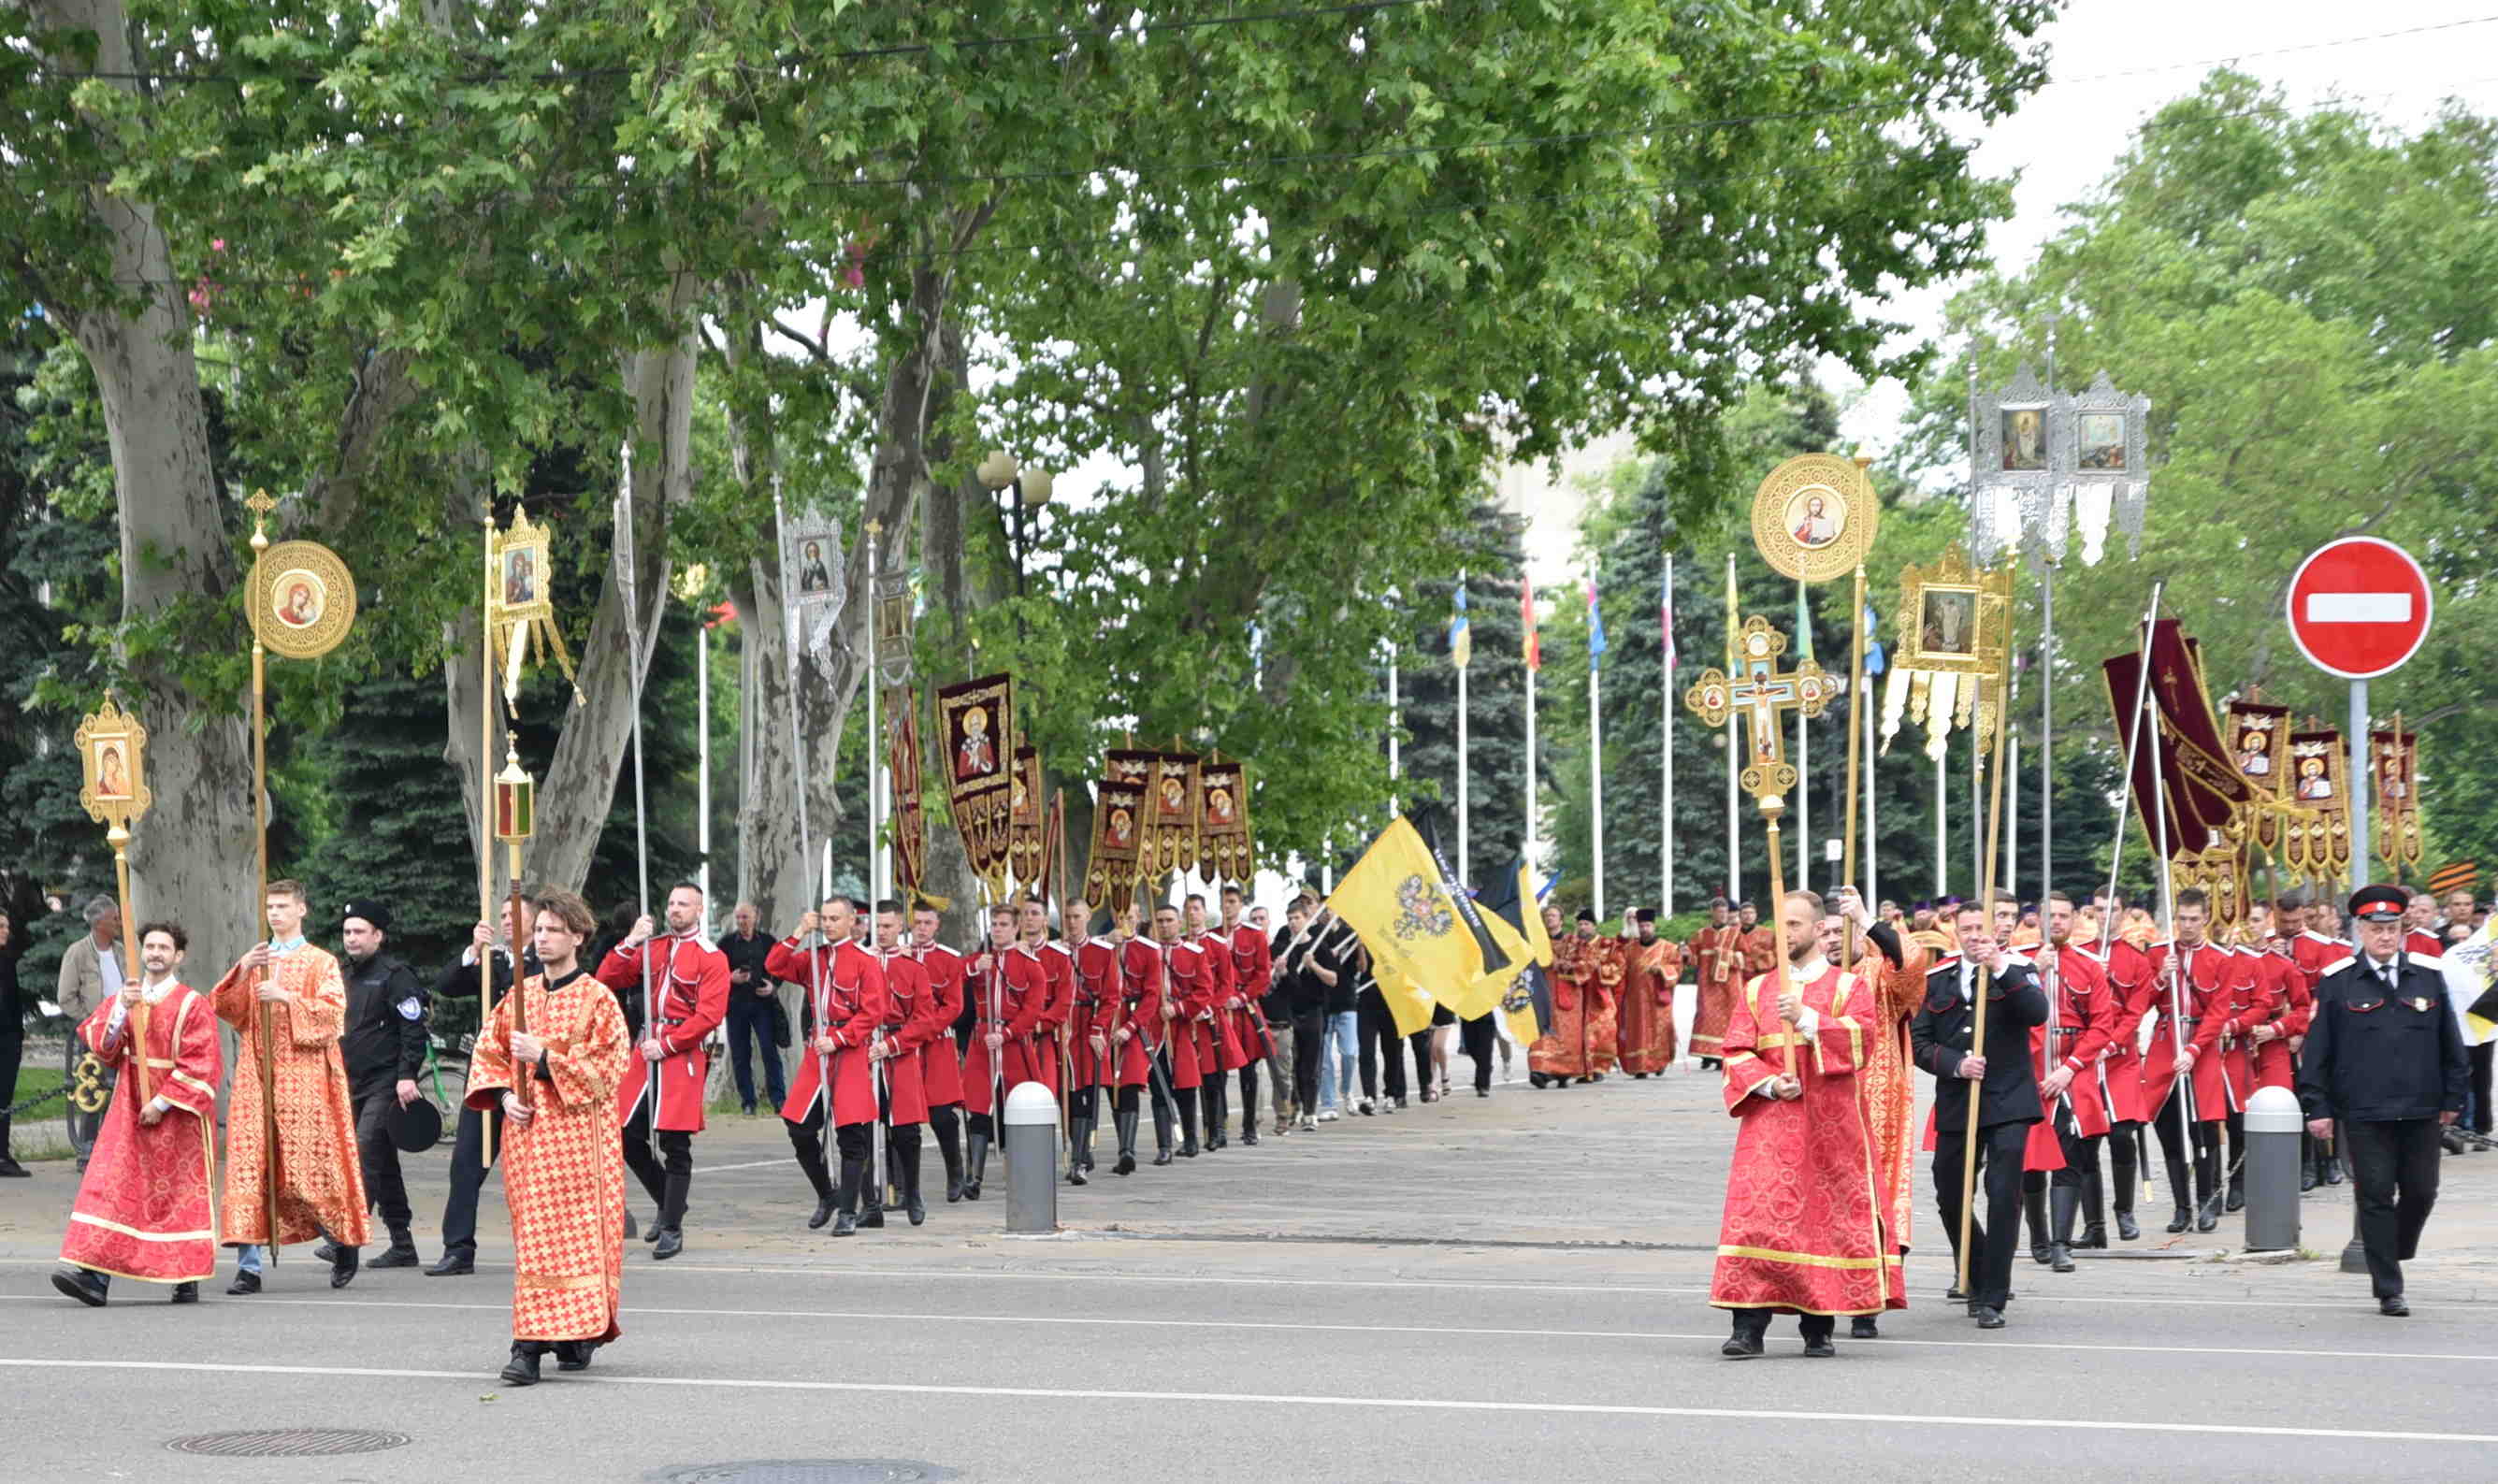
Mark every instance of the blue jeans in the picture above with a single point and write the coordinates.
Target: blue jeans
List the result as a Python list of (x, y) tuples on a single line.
[(248, 1257), (751, 1014), (1343, 1040)]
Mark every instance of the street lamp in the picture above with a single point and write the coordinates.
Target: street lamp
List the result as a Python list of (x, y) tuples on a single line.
[(999, 472)]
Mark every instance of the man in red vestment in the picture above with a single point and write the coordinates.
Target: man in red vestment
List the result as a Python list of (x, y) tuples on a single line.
[(1802, 1229), (142, 1206), (1716, 954), (564, 1166), (1648, 1000), (1135, 1021), (846, 1003), (941, 1061), (683, 979)]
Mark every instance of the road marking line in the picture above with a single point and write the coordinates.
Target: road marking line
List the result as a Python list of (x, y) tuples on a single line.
[(2358, 608), (1461, 1331), (1253, 1399), (784, 1162)]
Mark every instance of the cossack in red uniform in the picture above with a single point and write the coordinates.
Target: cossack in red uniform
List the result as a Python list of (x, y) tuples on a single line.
[(2211, 989), (910, 1023), (2132, 974), (1139, 1011), (1253, 972), (845, 986), (940, 1062), (1184, 978), (1218, 1043), (689, 989), (1011, 994), (1096, 1012), (2082, 1017)]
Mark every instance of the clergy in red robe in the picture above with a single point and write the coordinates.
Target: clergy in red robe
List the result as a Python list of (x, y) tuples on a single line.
[(563, 1156), (295, 990), (1893, 966), (1718, 961), (1579, 1044), (1802, 1230), (1648, 1000), (143, 1208)]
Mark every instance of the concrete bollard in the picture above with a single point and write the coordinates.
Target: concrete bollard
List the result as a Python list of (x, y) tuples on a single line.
[(1032, 1159), (2273, 1123)]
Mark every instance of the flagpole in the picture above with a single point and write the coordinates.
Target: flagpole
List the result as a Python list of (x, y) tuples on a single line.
[(1528, 601), (1394, 772), (1847, 801), (1943, 830), (1803, 817), (1665, 705), (1464, 874), (1733, 760), (1595, 749), (2047, 736)]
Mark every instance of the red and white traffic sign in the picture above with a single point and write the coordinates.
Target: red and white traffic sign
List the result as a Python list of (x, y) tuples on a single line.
[(2358, 607)]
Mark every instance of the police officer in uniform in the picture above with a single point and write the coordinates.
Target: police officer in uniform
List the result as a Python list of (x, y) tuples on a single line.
[(383, 1044), (2384, 1060), (2007, 1101)]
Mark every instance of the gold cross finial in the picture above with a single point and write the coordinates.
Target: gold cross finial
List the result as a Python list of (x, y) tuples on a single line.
[(259, 505)]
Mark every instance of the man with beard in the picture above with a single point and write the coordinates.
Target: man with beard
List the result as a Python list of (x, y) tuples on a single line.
[(685, 980), (1648, 999)]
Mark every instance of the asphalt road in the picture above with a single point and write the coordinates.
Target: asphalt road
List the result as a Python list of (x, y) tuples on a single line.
[(1505, 1290)]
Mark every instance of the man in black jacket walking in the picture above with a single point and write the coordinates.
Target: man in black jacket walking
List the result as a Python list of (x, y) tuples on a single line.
[(2007, 1101), (383, 1044), (2384, 1057)]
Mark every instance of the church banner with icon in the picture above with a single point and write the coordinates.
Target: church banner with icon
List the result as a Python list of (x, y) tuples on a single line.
[(1224, 843), (974, 719)]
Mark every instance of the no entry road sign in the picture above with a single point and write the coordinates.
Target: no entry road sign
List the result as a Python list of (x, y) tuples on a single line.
[(2358, 607)]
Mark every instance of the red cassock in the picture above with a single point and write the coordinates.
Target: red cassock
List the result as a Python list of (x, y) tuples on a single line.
[(2212, 976), (1717, 957), (1800, 1233), (1218, 1043), (1097, 1010), (911, 1022), (940, 1062), (1139, 1010), (1253, 973), (1010, 991), (845, 988), (143, 1208), (1184, 974), (689, 982), (2083, 1010), (2282, 1002), (2131, 975)]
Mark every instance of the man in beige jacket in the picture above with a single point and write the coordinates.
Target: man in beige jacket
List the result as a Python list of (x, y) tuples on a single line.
[(90, 974)]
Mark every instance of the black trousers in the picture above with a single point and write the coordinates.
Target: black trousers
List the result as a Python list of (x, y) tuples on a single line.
[(2481, 1056), (1310, 1053), (467, 1177), (1999, 1165), (1476, 1038), (1381, 1045), (1421, 1042), (668, 1182), (2394, 1165), (754, 1017), (13, 1050), (2169, 1125), (384, 1187)]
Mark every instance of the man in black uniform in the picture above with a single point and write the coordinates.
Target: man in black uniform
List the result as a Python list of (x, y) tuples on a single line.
[(383, 1044), (468, 1162), (2008, 1102), (2384, 1057)]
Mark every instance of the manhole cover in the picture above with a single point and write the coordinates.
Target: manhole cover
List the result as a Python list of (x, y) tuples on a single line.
[(289, 1443), (815, 1470)]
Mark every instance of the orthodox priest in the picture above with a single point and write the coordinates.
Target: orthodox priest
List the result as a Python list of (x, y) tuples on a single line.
[(564, 1166), (143, 1208), (1894, 969), (320, 1185), (1802, 1230), (1648, 999), (1717, 959)]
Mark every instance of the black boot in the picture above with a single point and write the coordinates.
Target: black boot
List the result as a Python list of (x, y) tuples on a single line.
[(2122, 1173), (1162, 1134), (574, 1354), (1210, 1112), (949, 1147), (2062, 1202), (523, 1371), (1248, 1107), (2093, 1214), (9, 1168), (1818, 1331), (1124, 1124), (1079, 1132), (401, 1253), (1751, 1331), (2207, 1179), (974, 1166), (2331, 1169), (847, 1195), (2308, 1176), (1186, 1129), (244, 1284), (907, 1173), (342, 1267), (811, 1159), (2033, 1211), (872, 1191), (2177, 1191), (1863, 1327), (188, 1293), (86, 1286), (2237, 1197)]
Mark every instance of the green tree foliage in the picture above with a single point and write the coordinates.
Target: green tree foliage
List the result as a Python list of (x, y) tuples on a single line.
[(2291, 290)]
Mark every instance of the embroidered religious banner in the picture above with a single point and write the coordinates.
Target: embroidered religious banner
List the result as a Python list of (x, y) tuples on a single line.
[(2259, 736), (1223, 840), (1024, 846), (1128, 765), (2320, 846), (2394, 777), (975, 718), (1173, 801), (1118, 815), (1955, 627), (910, 818), (2199, 778), (819, 583)]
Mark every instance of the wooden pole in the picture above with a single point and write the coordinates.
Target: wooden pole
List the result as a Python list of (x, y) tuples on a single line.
[(263, 1033), (119, 838), (1856, 701), (486, 816), (1977, 990)]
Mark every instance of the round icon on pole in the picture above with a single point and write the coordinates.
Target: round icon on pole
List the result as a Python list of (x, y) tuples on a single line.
[(2360, 607)]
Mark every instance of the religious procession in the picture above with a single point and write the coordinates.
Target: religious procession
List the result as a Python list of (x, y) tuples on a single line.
[(1435, 687)]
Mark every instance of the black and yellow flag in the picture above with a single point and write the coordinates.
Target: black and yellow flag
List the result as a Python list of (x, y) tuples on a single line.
[(1527, 997), (1425, 937)]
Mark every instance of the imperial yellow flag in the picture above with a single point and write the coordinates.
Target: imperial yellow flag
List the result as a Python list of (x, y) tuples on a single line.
[(1427, 941), (1526, 995)]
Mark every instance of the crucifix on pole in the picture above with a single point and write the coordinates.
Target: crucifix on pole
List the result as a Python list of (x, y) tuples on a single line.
[(1760, 692)]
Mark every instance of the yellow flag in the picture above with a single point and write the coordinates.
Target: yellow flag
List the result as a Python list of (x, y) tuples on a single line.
[(1426, 942), (1526, 995)]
